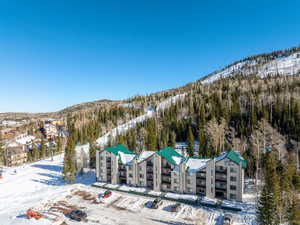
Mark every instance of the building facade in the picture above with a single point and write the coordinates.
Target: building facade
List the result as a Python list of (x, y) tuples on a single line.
[(15, 156), (168, 171)]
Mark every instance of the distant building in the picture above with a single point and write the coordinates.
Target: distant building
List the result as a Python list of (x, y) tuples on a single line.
[(21, 140), (50, 131), (15, 156), (168, 171)]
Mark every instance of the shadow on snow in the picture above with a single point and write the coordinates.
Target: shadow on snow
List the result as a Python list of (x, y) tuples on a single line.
[(54, 168), (57, 180)]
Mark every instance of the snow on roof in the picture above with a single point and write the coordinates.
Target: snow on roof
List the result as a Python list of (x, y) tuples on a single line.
[(195, 164), (222, 156), (171, 156), (233, 156), (145, 155), (25, 140), (126, 159), (178, 160)]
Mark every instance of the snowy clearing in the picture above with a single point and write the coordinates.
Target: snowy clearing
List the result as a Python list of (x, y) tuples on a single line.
[(31, 184)]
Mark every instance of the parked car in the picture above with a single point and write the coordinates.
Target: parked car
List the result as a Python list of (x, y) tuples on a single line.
[(175, 207), (156, 203), (77, 215), (228, 219), (106, 194)]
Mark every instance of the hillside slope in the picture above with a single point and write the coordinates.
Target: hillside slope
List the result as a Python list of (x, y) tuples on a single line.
[(285, 62)]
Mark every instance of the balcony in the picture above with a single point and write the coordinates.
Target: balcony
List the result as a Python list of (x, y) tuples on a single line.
[(221, 178), (220, 169), (200, 191), (149, 177), (149, 164), (201, 184), (221, 186), (121, 169), (164, 181), (201, 175), (122, 173), (149, 170), (167, 171), (166, 174)]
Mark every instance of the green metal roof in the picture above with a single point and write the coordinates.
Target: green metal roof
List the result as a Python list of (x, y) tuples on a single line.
[(235, 157), (169, 154), (118, 148)]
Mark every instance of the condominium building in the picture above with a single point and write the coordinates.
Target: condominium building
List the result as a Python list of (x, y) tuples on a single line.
[(168, 171)]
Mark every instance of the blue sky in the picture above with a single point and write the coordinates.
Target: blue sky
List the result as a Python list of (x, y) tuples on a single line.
[(57, 53)]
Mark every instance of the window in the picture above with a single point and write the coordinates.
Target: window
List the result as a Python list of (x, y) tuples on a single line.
[(232, 187), (130, 175), (101, 158), (188, 181), (130, 168), (175, 181), (141, 176), (190, 190), (232, 178), (233, 170)]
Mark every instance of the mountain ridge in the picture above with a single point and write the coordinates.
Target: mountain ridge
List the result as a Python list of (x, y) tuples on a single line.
[(279, 62)]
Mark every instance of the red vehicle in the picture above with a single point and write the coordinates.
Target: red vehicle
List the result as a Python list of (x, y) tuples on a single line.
[(107, 194), (32, 214)]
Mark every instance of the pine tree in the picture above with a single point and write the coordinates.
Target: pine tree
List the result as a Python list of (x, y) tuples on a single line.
[(266, 208), (92, 155), (191, 142), (59, 145), (43, 149), (69, 169), (36, 153), (294, 217), (172, 139), (201, 140)]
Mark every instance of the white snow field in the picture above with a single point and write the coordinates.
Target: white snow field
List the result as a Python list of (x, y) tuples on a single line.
[(288, 65), (31, 184)]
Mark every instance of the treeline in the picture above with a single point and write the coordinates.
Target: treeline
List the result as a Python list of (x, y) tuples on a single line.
[(279, 203), (41, 151), (224, 115)]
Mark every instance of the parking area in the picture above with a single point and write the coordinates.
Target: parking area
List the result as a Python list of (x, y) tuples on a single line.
[(121, 209)]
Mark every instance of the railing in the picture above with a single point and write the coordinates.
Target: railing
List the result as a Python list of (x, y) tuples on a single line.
[(221, 187), (221, 170), (166, 175), (221, 178)]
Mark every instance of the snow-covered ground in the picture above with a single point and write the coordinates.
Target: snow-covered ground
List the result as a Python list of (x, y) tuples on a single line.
[(288, 65), (31, 184)]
